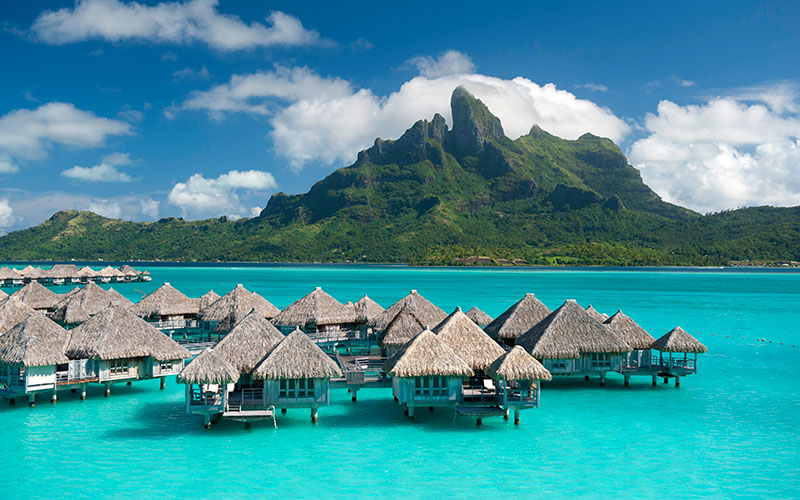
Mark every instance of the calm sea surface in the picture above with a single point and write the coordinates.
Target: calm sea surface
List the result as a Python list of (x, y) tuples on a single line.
[(733, 430)]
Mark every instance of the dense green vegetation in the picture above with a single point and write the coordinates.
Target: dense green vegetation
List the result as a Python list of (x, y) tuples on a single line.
[(436, 196)]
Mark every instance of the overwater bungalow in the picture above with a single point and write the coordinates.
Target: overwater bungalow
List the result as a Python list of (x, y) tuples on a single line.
[(366, 310), (601, 317), (404, 326), (468, 341), (636, 362), (423, 309), (12, 311), (61, 274), (10, 277), (86, 274), (38, 297), (479, 317), (427, 373), (79, 306), (296, 374), (206, 300), (517, 319), (517, 374), (230, 321), (207, 380), (571, 342), (107, 274), (32, 361), (30, 273), (238, 298), (128, 273), (318, 314), (167, 308), (677, 355), (124, 348)]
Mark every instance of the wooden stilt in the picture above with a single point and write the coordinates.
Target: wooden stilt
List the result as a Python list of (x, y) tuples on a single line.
[(505, 415), (478, 421), (12, 401), (31, 400), (108, 389), (128, 383), (677, 381), (83, 392), (163, 383), (354, 397), (411, 412), (207, 421), (430, 408), (247, 426), (602, 379), (73, 390), (627, 380), (654, 380), (283, 410), (405, 411), (586, 378), (313, 415), (54, 398), (516, 416)]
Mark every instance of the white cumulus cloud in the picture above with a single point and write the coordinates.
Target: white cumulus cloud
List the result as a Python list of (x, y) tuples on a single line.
[(449, 63), (729, 152), (202, 197), (30, 133), (149, 207), (7, 165), (105, 171), (106, 208), (326, 120), (194, 21), (7, 217)]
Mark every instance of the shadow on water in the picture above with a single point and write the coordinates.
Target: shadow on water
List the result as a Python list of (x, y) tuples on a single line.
[(637, 384), (68, 397)]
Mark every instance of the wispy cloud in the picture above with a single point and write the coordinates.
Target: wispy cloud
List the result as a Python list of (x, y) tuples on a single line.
[(105, 171), (593, 87)]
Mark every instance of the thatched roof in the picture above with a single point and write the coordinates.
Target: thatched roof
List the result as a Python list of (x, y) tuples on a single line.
[(517, 364), (629, 331), (468, 340), (165, 301), (108, 272), (601, 317), (316, 308), (12, 311), (3, 295), (232, 320), (568, 332), (243, 299), (206, 300), (31, 272), (249, 342), (87, 272), (678, 340), (128, 271), (366, 309), (79, 306), (63, 271), (208, 368), (426, 355), (422, 308), (479, 317), (6, 273), (404, 327), (36, 341), (116, 333), (296, 356), (37, 296), (518, 318)]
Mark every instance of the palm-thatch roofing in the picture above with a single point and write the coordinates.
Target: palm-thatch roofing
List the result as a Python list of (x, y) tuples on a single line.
[(316, 308), (208, 368), (37, 296), (165, 301), (87, 272), (206, 300), (422, 308), (517, 364), (367, 309), (601, 317), (127, 270), (12, 311), (117, 333), (231, 320), (35, 341), (241, 298), (479, 317), (3, 295), (427, 355), (6, 273), (468, 340), (678, 340), (249, 342), (629, 331), (108, 272), (296, 356), (518, 318), (404, 326), (568, 332), (31, 272), (79, 306), (63, 271)]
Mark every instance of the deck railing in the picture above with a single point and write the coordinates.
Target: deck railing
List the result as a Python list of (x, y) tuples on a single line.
[(682, 363), (237, 400), (198, 397)]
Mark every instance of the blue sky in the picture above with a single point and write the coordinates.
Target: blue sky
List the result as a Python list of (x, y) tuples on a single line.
[(200, 109)]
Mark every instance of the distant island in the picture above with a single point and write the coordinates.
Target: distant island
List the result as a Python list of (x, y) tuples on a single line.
[(468, 195)]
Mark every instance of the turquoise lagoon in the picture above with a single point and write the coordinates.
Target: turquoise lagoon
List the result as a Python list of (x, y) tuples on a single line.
[(733, 430)]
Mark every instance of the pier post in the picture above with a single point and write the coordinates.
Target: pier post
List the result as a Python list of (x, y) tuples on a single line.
[(354, 397), (12, 401), (83, 392), (163, 383), (666, 380), (283, 410), (411, 413), (586, 378), (207, 421), (430, 408), (247, 426), (602, 379), (677, 381), (128, 383), (516, 416), (505, 415), (478, 421), (313, 415), (108, 389), (32, 399), (73, 390), (654, 380), (627, 380), (54, 398)]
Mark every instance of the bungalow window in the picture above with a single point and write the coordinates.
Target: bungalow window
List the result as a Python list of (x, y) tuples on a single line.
[(600, 360), (166, 366), (118, 367), (296, 388), (559, 364), (435, 386), (21, 377)]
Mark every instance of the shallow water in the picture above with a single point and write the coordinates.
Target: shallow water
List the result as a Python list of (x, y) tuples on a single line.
[(733, 430)]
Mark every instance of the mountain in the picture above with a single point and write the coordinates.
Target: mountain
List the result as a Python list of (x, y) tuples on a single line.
[(438, 195)]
